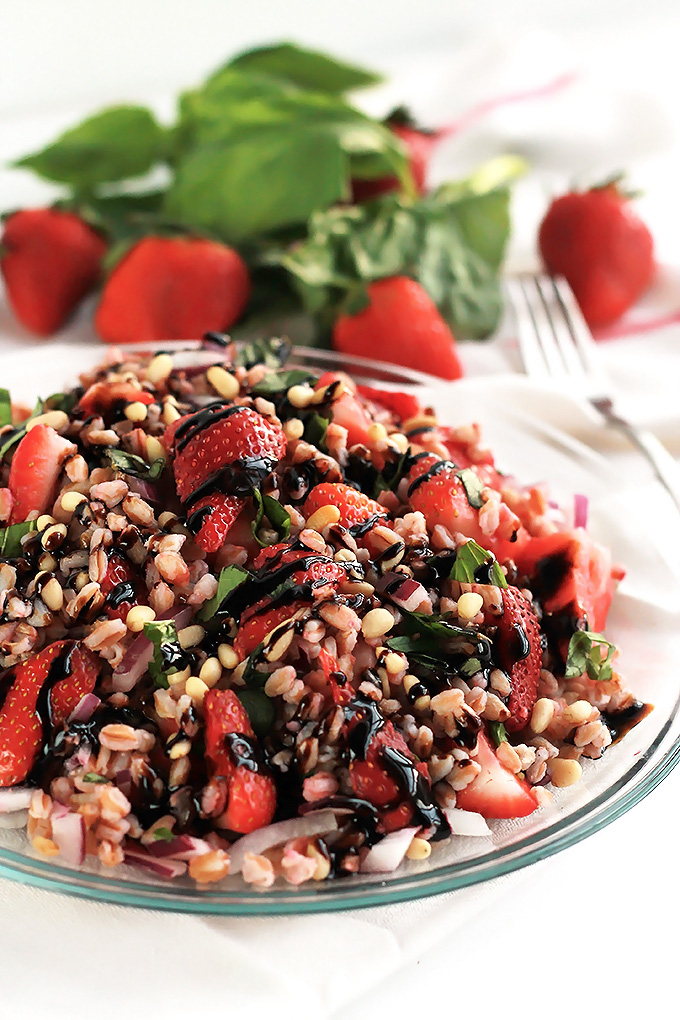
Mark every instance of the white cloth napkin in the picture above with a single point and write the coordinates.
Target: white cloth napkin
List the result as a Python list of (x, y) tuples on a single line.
[(528, 95)]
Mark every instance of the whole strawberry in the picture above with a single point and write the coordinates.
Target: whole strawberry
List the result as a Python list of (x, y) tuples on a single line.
[(605, 251), (401, 325), (169, 288), (419, 145), (51, 260)]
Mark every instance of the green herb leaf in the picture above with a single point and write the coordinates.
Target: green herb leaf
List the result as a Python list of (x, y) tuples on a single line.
[(163, 833), (5, 408), (306, 68), (589, 653), (231, 578), (10, 538), (278, 517), (92, 777), (316, 428), (498, 733), (168, 657), (131, 464), (259, 708), (117, 143), (469, 558), (273, 353), (469, 668), (252, 676), (277, 382), (433, 640), (473, 486), (61, 402)]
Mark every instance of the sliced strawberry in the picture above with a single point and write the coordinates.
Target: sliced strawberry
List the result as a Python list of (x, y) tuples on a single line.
[(262, 622), (103, 397), (219, 437), (347, 411), (340, 692), (214, 516), (252, 801), (223, 713), (35, 470), (519, 653), (370, 780), (402, 405), (354, 506), (21, 728), (121, 586), (496, 792)]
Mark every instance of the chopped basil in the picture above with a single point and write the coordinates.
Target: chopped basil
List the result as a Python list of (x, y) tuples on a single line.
[(469, 558), (131, 464), (473, 486), (61, 402), (433, 640), (10, 538), (498, 734), (469, 668), (589, 653), (278, 517), (5, 408), (231, 578), (169, 656), (92, 777), (164, 833), (277, 382), (273, 353), (316, 428), (259, 708), (253, 677)]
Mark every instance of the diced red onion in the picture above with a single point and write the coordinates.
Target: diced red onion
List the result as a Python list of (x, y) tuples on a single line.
[(388, 854), (136, 660), (142, 488), (408, 595), (316, 823), (13, 819), (181, 848), (85, 708), (162, 868), (68, 832), (466, 823), (580, 510), (15, 798), (123, 780)]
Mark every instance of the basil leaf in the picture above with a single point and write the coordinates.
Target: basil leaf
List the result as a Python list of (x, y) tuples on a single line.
[(469, 668), (273, 353), (92, 777), (164, 833), (10, 538), (305, 68), (589, 653), (469, 558), (316, 428), (278, 517), (116, 143), (253, 677), (61, 402), (259, 708), (473, 486), (5, 408), (498, 733), (169, 656), (231, 578), (131, 464), (433, 640), (277, 382)]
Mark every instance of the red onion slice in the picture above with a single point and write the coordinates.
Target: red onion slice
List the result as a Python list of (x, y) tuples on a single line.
[(136, 660), (466, 823), (85, 708), (68, 832), (162, 868), (408, 594), (15, 798), (388, 854), (580, 510), (316, 823), (181, 848), (142, 488)]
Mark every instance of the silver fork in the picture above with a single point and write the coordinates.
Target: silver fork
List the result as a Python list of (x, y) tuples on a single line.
[(556, 343)]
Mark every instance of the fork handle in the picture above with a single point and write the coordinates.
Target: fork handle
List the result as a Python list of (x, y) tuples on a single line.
[(666, 469)]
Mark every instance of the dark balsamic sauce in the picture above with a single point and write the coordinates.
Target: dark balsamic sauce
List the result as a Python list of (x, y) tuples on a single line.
[(201, 420), (245, 752), (437, 468), (620, 723), (363, 527), (123, 592), (418, 791), (197, 519), (482, 574), (365, 721)]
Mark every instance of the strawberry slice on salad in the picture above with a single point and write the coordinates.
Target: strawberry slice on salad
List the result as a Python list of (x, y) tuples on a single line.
[(496, 792), (354, 506), (36, 467), (519, 651)]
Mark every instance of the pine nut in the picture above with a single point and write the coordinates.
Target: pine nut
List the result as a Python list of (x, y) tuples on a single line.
[(138, 616), (409, 681), (191, 636), (578, 713), (542, 714), (44, 521), (227, 656), (180, 677), (399, 440), (419, 849), (280, 646), (376, 623), (47, 562), (394, 663), (154, 449), (71, 500), (53, 537), (210, 672), (159, 368), (57, 420), (182, 747), (300, 396), (170, 413), (293, 429), (53, 595), (324, 516), (223, 382), (196, 689), (565, 772), (376, 432), (469, 604), (136, 411)]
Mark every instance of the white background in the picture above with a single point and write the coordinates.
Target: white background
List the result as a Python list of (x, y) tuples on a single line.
[(594, 929)]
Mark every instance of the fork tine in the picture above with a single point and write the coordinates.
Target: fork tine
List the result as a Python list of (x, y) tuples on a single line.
[(579, 328), (543, 327), (527, 334), (560, 325)]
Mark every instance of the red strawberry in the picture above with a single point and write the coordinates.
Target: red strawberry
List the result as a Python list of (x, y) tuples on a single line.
[(120, 572), (419, 145), (323, 570), (172, 287), (496, 792), (102, 397), (400, 325), (602, 247), (518, 644), (242, 439), (213, 516), (51, 260), (252, 794), (253, 630), (354, 506), (347, 411), (402, 405), (340, 692), (21, 729), (36, 467)]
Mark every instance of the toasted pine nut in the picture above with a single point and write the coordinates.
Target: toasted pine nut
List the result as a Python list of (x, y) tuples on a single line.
[(419, 849), (293, 429), (44, 521), (170, 413), (138, 616), (300, 396), (196, 689), (57, 420), (542, 714), (159, 368), (182, 747), (469, 604), (53, 595), (53, 537), (565, 771), (376, 623), (136, 411), (322, 517), (399, 440), (154, 449), (71, 500), (211, 671), (227, 656), (280, 646), (223, 382), (191, 636), (577, 713), (376, 432)]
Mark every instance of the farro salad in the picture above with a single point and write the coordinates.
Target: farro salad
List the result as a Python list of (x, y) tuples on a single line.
[(260, 622)]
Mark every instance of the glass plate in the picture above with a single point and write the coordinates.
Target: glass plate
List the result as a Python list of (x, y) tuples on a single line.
[(643, 622)]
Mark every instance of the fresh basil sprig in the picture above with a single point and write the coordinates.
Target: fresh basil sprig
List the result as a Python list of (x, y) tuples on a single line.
[(277, 382), (469, 558), (589, 653), (473, 486), (131, 464), (5, 408), (278, 517), (498, 733), (169, 656), (231, 578)]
